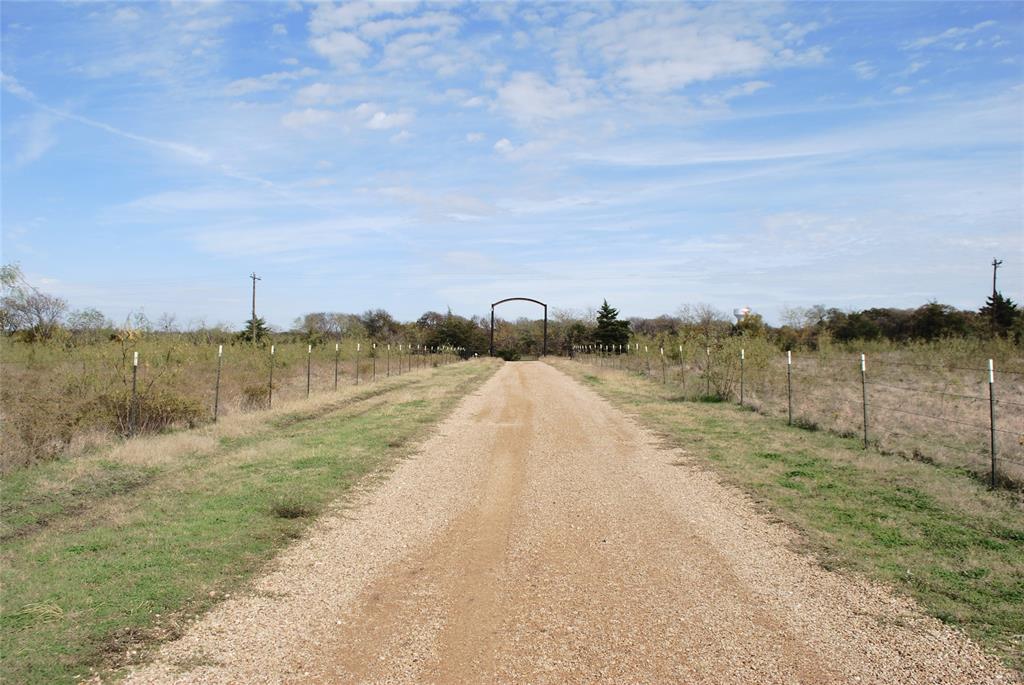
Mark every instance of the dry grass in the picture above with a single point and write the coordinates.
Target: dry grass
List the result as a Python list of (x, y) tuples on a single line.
[(926, 404), (56, 401)]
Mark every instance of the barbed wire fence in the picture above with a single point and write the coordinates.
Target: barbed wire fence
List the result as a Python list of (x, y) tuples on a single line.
[(960, 416), (49, 401)]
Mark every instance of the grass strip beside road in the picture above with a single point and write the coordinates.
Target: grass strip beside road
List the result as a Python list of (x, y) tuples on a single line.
[(107, 555), (930, 531)]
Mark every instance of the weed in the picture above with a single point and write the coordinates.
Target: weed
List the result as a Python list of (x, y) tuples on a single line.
[(291, 509), (806, 424)]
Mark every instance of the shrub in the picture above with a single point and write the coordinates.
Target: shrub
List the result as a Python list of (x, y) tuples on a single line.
[(255, 396), (153, 411)]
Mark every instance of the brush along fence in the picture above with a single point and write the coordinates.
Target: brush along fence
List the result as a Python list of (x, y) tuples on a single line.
[(960, 416)]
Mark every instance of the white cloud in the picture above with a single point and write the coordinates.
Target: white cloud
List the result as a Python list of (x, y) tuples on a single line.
[(125, 15), (328, 17), (901, 90), (351, 33), (475, 101), (949, 36), (381, 121), (667, 47), (401, 136), (748, 88), (474, 137), (865, 70), (191, 152), (280, 30), (276, 238), (742, 90), (436, 23), (307, 118), (325, 93), (504, 146), (530, 99), (442, 205), (258, 84), (200, 200), (158, 42), (914, 67), (12, 86), (36, 137), (532, 149), (342, 49)]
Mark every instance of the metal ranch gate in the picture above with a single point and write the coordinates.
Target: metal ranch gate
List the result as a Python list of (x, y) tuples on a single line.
[(544, 350)]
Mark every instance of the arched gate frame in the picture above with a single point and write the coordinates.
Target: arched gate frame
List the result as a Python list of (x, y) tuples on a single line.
[(524, 299)]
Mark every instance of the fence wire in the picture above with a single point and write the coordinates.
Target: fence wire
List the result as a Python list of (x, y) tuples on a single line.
[(50, 399), (831, 395)]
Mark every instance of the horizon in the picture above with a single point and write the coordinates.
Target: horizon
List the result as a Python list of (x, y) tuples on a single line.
[(421, 157)]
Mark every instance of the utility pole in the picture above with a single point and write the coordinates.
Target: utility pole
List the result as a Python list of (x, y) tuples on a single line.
[(995, 267), (254, 278)]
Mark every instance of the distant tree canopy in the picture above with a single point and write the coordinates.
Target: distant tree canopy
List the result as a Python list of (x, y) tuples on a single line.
[(318, 327), (29, 315), (452, 330), (380, 325), (259, 333), (610, 330)]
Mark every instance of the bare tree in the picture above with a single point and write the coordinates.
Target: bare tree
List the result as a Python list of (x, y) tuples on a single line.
[(23, 308), (167, 323), (708, 322)]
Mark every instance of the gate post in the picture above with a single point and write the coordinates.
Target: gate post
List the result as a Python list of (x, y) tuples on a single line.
[(544, 353)]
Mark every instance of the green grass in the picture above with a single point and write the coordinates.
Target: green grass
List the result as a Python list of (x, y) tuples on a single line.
[(931, 531), (102, 560)]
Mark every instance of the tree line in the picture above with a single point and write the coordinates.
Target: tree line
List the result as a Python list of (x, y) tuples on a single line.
[(30, 315)]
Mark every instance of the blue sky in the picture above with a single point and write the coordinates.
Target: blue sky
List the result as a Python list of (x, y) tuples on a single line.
[(420, 156)]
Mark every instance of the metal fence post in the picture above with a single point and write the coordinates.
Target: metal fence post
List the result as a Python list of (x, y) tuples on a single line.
[(133, 409), (682, 370), (357, 362), (789, 384), (216, 387), (309, 364), (270, 385), (337, 355), (374, 377), (743, 357), (664, 376), (992, 421), (864, 394), (647, 358), (707, 372)]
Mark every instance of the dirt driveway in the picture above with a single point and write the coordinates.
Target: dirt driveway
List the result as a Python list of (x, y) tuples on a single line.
[(541, 536)]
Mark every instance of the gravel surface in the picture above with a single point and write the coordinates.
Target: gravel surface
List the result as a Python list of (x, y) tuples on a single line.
[(541, 536)]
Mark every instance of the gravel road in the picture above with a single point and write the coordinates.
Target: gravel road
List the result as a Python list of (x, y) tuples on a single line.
[(541, 536)]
